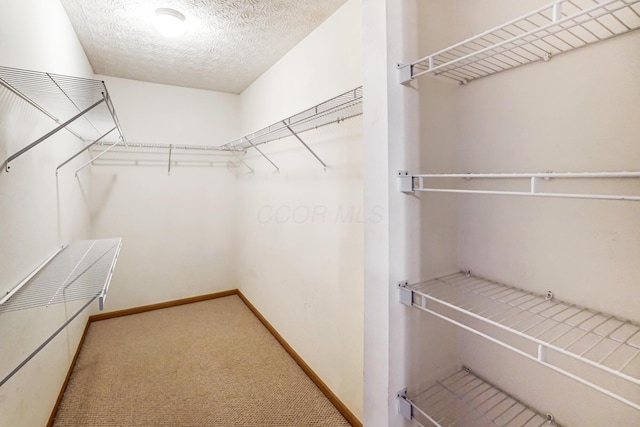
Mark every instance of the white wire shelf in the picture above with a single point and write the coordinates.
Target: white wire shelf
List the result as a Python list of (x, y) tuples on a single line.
[(464, 399), (164, 155), (559, 27), (533, 184), (80, 270), (82, 106), (594, 339), (336, 110)]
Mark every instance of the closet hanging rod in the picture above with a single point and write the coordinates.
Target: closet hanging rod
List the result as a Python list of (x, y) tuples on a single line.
[(163, 146), (571, 175)]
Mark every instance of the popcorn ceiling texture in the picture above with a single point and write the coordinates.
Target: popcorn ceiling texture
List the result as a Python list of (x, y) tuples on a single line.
[(229, 43)]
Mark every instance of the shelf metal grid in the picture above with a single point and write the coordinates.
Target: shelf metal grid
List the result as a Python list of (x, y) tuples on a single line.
[(599, 340), (464, 399), (559, 27), (80, 105)]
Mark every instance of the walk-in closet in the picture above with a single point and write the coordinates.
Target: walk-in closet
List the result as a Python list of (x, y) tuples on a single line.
[(341, 212)]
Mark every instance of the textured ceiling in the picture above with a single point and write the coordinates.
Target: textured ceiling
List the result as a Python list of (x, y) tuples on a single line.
[(229, 43)]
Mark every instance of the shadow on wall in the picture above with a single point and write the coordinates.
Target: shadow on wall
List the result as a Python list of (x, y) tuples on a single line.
[(101, 188)]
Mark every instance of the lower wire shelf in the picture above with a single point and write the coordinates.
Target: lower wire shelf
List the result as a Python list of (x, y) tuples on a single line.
[(593, 348), (464, 399)]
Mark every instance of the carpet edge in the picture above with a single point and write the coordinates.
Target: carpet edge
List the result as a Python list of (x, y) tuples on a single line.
[(335, 400)]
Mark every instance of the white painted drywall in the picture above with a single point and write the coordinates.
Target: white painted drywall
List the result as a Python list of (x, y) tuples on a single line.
[(38, 212), (578, 112), (300, 247), (178, 230)]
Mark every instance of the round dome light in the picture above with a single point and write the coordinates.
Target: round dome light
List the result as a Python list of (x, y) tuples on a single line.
[(169, 23)]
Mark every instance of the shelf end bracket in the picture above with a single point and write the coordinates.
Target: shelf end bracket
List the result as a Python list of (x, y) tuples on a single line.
[(404, 405), (405, 73), (405, 181), (406, 294)]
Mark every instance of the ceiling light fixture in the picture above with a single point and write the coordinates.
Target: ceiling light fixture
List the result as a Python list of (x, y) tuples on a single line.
[(169, 22)]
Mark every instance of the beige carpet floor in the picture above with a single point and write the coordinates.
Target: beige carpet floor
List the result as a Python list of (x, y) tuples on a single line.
[(210, 363)]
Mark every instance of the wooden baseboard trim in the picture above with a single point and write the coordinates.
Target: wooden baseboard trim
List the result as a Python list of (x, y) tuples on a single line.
[(161, 305), (68, 377), (344, 410)]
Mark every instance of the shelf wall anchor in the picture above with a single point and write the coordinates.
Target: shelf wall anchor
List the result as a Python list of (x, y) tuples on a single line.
[(404, 406), (305, 145), (405, 72), (406, 294), (405, 181)]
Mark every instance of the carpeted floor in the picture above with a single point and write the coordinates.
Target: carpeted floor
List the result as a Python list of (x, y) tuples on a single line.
[(209, 363)]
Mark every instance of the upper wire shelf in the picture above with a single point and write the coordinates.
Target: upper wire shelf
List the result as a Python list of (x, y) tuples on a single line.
[(464, 399), (82, 106), (335, 110), (598, 340), (559, 27)]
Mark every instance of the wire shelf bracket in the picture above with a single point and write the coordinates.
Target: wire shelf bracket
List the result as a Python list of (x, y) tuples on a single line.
[(66, 100), (551, 327), (556, 28), (411, 183), (465, 399)]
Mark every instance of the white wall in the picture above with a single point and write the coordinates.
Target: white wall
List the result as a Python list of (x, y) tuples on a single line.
[(178, 230), (300, 257), (38, 212), (578, 112)]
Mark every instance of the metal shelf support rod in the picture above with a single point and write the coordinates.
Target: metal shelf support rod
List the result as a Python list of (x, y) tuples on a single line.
[(105, 288), (169, 166), (84, 149), (263, 155), (47, 341), (57, 129), (95, 158), (243, 162), (29, 277), (305, 145)]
